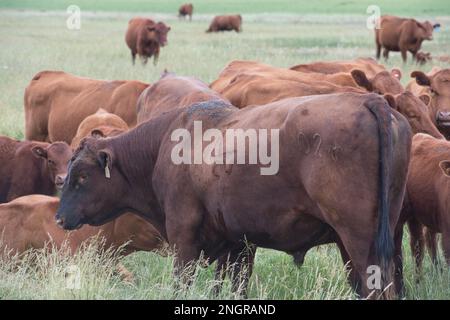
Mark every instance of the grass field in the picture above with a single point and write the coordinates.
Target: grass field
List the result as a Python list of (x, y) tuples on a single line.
[(34, 37)]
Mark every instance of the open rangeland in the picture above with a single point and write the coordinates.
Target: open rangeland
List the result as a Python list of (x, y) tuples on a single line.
[(34, 37)]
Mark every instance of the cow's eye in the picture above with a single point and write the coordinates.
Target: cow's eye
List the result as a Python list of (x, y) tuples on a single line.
[(82, 178)]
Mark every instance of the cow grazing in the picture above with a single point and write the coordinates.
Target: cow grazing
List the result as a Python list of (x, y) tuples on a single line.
[(186, 10), (28, 167), (332, 184), (28, 222), (144, 37), (172, 92), (426, 203), (226, 23), (437, 85), (101, 123), (402, 34), (56, 103)]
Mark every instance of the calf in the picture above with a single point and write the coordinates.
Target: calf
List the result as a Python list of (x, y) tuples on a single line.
[(101, 123), (28, 222), (28, 167), (144, 37)]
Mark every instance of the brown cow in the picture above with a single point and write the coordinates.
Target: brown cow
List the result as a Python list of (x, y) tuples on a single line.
[(342, 182), (369, 65), (102, 123), (415, 111), (144, 37), (437, 85), (401, 34), (172, 92), (226, 23), (186, 10), (28, 167), (426, 203), (366, 73), (381, 82), (246, 90), (246, 83), (29, 223), (56, 102)]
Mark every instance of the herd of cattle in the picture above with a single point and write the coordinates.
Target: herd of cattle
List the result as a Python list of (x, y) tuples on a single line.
[(351, 172)]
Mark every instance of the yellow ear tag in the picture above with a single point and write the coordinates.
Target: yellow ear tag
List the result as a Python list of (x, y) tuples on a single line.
[(107, 173)]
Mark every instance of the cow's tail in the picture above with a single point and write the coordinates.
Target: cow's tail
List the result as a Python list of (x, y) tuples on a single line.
[(384, 244)]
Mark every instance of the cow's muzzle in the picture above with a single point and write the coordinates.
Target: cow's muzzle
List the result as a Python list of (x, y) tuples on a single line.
[(443, 118), (59, 180)]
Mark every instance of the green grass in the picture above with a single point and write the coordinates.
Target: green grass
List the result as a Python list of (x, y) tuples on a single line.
[(410, 7), (32, 41)]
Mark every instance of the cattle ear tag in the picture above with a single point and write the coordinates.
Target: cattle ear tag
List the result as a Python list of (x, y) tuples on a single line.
[(107, 172)]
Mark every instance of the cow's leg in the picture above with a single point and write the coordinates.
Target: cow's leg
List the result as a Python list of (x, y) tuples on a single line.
[(398, 260), (183, 235), (446, 244), (238, 263), (385, 54), (353, 277), (416, 242), (378, 52), (404, 55), (431, 242), (133, 57)]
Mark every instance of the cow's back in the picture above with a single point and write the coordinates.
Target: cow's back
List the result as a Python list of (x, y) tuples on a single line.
[(48, 90)]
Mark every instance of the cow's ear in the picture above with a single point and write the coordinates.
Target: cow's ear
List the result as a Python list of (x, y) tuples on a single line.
[(39, 152), (421, 78), (97, 133), (396, 73), (445, 167), (105, 160), (361, 79), (425, 99), (391, 100)]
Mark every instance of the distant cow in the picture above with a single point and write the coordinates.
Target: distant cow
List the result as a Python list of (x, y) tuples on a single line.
[(56, 102), (101, 123), (172, 92), (344, 181), (226, 23), (144, 37), (29, 223), (28, 167), (437, 85), (401, 34), (186, 10), (428, 191)]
